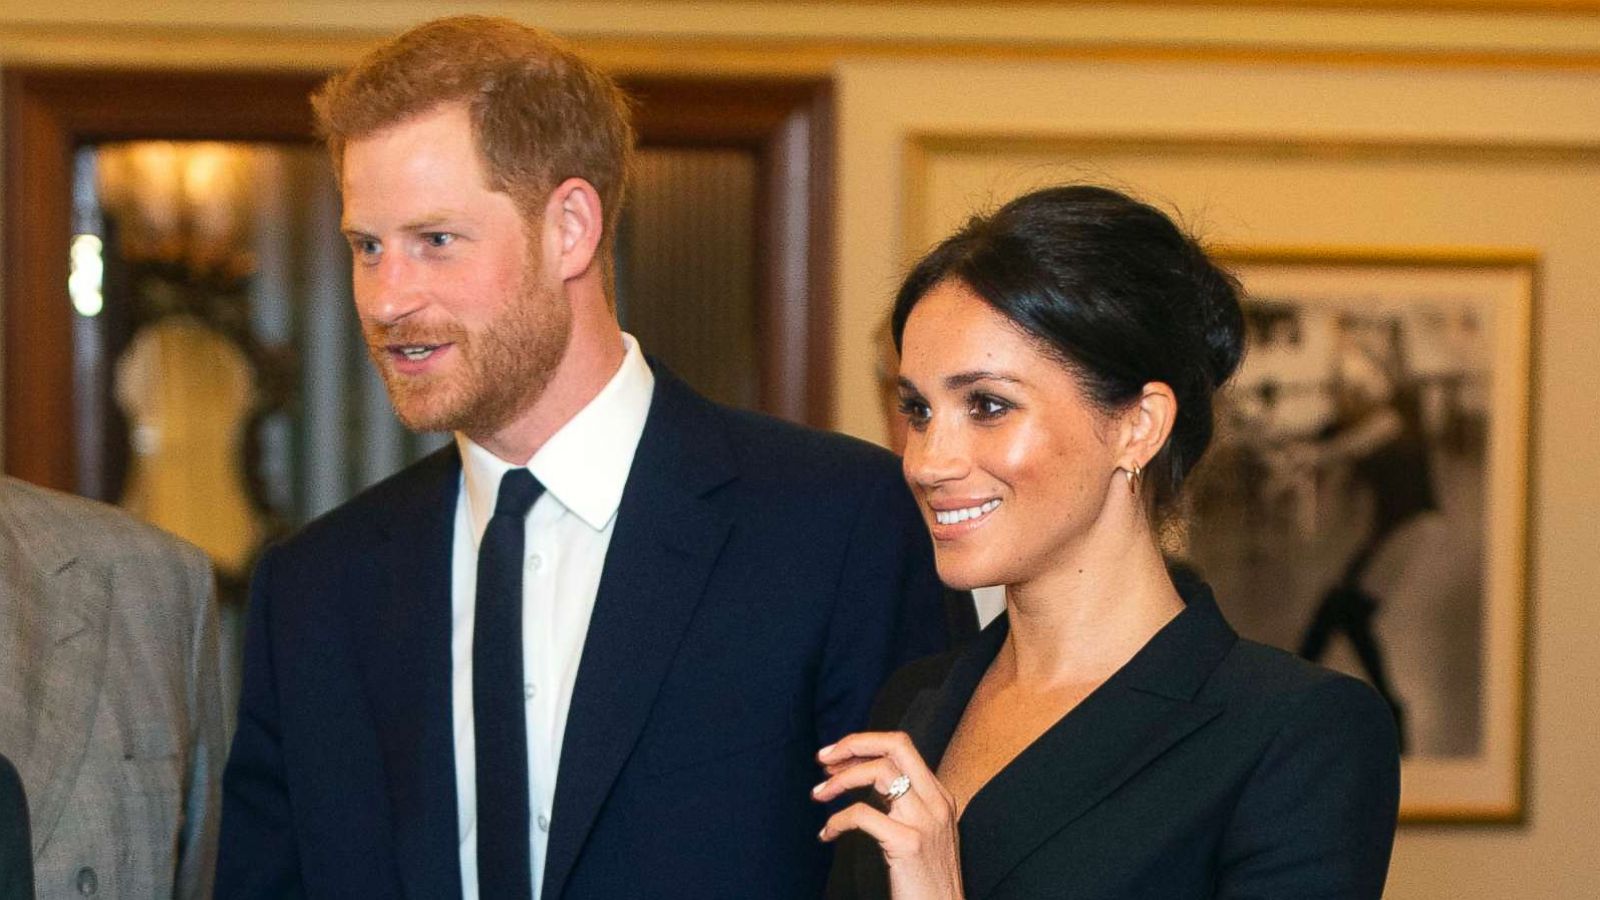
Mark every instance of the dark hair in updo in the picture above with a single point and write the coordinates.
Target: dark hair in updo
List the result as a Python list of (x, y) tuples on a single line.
[(1114, 290)]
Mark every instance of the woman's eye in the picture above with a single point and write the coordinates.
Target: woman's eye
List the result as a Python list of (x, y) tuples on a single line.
[(915, 410), (986, 408)]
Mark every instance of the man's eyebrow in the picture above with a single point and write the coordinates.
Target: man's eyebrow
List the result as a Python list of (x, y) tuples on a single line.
[(428, 222), (422, 223)]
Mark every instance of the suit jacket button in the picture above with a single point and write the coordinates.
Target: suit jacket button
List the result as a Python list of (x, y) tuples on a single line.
[(88, 882)]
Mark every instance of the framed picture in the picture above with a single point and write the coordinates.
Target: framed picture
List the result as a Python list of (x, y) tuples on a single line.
[(1365, 503)]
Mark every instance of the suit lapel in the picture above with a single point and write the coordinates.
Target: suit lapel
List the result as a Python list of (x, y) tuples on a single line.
[(61, 612), (1107, 740), (405, 649), (1136, 716), (666, 541)]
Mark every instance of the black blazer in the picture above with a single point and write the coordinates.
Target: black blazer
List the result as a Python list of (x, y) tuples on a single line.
[(761, 583), (1208, 766), (16, 848)]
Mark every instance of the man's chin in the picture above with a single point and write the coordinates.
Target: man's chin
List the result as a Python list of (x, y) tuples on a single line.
[(426, 421), (424, 414), (472, 420)]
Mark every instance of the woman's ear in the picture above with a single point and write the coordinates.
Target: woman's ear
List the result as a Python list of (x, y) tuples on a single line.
[(1146, 424), (575, 222)]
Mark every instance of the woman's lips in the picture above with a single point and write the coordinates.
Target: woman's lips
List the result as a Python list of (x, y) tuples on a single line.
[(951, 519)]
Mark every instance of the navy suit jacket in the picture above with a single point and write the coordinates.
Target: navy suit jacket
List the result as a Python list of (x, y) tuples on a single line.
[(761, 583), (1207, 767)]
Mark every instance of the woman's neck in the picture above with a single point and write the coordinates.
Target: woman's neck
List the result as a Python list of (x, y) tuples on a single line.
[(1082, 620)]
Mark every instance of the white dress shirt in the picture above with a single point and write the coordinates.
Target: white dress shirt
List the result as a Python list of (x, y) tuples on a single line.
[(583, 468), (990, 602)]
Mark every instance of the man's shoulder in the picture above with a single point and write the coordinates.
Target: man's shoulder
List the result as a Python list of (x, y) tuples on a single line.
[(90, 528), (817, 479), (423, 484), (770, 448)]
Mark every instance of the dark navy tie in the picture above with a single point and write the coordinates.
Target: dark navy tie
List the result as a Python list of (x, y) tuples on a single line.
[(499, 717)]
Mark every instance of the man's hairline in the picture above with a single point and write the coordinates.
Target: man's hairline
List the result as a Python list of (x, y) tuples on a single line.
[(531, 217), (486, 165)]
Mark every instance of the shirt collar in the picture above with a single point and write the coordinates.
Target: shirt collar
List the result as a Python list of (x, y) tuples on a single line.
[(585, 464)]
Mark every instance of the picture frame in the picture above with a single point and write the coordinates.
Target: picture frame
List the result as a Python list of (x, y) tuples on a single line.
[(1365, 501)]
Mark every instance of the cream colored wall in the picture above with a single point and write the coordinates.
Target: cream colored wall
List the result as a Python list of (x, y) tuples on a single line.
[(804, 35), (1475, 77), (1425, 159)]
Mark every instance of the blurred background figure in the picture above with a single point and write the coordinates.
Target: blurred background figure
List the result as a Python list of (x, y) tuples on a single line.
[(110, 699), (1378, 432)]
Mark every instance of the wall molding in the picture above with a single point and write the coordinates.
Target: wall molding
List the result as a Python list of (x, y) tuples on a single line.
[(921, 145), (773, 55)]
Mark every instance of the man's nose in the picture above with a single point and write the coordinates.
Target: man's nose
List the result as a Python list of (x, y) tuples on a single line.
[(389, 290)]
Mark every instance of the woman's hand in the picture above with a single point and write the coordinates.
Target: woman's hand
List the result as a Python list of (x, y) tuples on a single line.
[(917, 833)]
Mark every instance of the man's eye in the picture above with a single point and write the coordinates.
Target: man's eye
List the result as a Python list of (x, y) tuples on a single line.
[(439, 238), (365, 247)]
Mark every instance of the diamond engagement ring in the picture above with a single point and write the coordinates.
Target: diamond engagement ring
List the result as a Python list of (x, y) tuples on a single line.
[(897, 789)]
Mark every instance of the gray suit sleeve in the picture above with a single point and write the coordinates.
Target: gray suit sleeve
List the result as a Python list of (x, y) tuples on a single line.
[(197, 843)]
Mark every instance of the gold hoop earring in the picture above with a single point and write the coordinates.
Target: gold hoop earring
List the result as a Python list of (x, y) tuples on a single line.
[(1134, 475)]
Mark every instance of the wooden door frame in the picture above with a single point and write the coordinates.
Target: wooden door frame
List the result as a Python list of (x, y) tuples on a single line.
[(788, 126), (49, 113)]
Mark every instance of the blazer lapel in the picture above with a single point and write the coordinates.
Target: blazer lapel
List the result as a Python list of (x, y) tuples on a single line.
[(404, 628), (666, 541), (932, 716), (1136, 716), (62, 608)]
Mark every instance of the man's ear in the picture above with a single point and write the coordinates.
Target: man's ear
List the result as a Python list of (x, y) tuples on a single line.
[(575, 222), (1146, 424)]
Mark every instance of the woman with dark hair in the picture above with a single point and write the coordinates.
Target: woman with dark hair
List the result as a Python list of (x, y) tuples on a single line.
[(1110, 735)]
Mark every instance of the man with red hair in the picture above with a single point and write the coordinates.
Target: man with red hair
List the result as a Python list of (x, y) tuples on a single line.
[(589, 649)]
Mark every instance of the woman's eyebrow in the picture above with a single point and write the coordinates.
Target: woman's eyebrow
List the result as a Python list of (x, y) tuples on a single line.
[(966, 379)]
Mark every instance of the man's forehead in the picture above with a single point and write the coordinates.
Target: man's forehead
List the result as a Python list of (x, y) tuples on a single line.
[(454, 113), (427, 151)]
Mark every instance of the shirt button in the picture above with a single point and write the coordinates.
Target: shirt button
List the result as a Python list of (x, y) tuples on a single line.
[(529, 691), (544, 823), (536, 562), (88, 882)]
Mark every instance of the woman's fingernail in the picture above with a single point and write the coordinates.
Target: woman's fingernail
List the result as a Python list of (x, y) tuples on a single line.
[(818, 789), (825, 750)]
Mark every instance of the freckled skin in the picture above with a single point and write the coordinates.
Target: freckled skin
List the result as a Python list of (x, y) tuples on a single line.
[(1023, 434)]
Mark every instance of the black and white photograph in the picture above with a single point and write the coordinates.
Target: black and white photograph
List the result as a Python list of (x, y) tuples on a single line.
[(1364, 504)]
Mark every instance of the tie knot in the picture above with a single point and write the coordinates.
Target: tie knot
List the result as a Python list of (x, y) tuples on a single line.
[(518, 491)]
